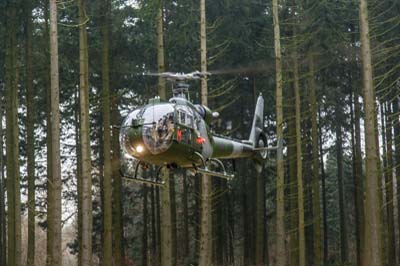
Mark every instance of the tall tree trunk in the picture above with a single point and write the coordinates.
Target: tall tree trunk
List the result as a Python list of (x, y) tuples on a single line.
[(389, 187), (359, 180), (324, 205), (159, 233), (382, 181), (78, 150), (173, 218), (339, 160), (186, 247), (166, 226), (231, 224), (145, 231), (86, 242), (50, 193), (260, 226), (205, 255), (160, 51), (280, 180), (307, 175), (117, 184), (373, 239), (396, 138), (154, 252), (292, 151), (30, 127), (315, 168), (245, 214), (300, 196), (3, 253), (12, 136), (56, 257), (355, 188), (107, 172)]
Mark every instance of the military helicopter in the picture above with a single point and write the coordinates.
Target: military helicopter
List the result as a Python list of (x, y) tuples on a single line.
[(177, 134)]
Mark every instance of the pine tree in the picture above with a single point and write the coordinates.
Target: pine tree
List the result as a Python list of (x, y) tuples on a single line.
[(315, 167), (12, 144), (107, 182), (86, 190), (373, 241), (55, 222), (280, 183), (205, 242), (30, 127)]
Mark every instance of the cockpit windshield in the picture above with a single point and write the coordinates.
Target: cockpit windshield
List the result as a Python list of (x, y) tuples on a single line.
[(158, 127), (149, 128)]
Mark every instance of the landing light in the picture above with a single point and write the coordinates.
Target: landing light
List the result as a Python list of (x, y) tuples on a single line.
[(139, 148)]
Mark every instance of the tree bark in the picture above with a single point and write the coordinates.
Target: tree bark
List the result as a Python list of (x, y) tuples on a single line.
[(107, 171), (186, 247), (173, 218), (292, 151), (280, 180), (3, 253), (373, 239), (117, 184), (339, 161), (78, 150), (56, 257), (160, 51), (205, 242), (86, 241), (12, 146), (30, 127), (359, 179), (300, 196), (260, 226), (315, 168), (389, 187), (396, 130), (324, 205), (145, 230), (50, 194), (166, 225), (154, 243)]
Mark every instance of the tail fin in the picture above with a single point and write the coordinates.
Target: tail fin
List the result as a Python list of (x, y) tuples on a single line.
[(257, 137), (258, 121)]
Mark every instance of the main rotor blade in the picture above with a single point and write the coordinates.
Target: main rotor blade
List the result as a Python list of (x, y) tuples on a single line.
[(258, 67)]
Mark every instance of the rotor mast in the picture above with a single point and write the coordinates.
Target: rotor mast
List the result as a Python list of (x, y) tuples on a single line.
[(180, 87), (180, 90)]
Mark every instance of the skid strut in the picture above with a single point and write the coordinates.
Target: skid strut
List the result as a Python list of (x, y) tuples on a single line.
[(206, 171), (142, 180)]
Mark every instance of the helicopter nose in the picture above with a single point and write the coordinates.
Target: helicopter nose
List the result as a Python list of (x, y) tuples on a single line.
[(131, 136)]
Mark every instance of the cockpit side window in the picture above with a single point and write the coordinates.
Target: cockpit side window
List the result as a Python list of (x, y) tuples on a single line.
[(185, 116), (189, 121), (182, 117)]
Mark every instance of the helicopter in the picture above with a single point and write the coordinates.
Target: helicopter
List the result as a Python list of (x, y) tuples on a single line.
[(177, 134)]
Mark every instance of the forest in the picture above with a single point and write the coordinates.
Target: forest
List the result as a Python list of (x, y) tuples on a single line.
[(315, 180)]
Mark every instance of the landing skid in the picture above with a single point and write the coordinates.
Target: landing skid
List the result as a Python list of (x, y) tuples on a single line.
[(206, 170), (135, 178), (213, 173), (144, 181)]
